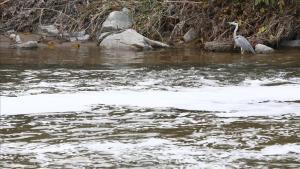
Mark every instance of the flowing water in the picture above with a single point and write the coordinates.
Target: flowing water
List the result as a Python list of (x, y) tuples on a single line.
[(88, 108)]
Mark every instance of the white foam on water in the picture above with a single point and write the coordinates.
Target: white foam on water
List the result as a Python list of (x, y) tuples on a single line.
[(157, 149), (229, 100), (281, 149)]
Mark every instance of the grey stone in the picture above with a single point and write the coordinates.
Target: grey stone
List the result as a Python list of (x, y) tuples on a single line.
[(78, 36), (260, 48), (291, 43), (11, 31), (27, 45), (117, 20), (48, 30), (191, 35), (129, 40), (85, 37)]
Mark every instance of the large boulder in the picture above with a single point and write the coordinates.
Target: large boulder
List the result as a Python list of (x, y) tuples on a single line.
[(128, 40), (260, 48), (117, 20), (290, 43)]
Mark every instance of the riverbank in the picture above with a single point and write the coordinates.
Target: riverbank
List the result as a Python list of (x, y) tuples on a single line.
[(167, 21)]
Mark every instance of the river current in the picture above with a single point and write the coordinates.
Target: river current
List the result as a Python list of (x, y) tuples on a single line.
[(88, 108)]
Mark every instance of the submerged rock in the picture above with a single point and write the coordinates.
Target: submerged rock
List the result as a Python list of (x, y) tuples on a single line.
[(260, 48), (218, 46), (191, 35), (291, 43), (129, 40), (117, 20), (48, 30), (26, 45)]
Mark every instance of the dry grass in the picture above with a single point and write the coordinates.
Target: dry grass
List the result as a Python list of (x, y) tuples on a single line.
[(159, 19)]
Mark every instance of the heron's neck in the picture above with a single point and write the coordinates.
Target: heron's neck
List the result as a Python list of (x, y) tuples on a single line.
[(235, 30)]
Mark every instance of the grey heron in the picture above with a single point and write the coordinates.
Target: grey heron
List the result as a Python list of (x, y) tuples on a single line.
[(241, 41)]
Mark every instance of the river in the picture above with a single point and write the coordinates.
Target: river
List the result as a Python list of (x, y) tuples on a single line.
[(177, 108)]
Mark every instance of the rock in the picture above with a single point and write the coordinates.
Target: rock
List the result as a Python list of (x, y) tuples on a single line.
[(260, 48), (15, 37), (117, 20), (291, 43), (27, 45), (83, 38), (80, 38), (128, 40), (48, 30), (217, 46), (10, 31), (79, 34), (191, 35), (155, 44)]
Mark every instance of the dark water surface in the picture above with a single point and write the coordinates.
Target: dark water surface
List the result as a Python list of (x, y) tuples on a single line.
[(89, 108)]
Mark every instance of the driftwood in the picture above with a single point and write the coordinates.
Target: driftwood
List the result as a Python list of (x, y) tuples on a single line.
[(156, 44), (106, 34), (218, 46)]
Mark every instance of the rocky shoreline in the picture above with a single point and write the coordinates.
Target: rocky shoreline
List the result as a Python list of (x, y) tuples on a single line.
[(117, 33)]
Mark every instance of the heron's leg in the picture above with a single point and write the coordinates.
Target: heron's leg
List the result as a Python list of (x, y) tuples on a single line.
[(242, 51)]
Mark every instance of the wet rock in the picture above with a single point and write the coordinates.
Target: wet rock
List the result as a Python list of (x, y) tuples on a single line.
[(291, 43), (26, 45), (10, 31), (15, 38), (128, 40), (79, 36), (260, 48), (48, 30), (83, 38), (191, 35), (117, 20), (218, 46)]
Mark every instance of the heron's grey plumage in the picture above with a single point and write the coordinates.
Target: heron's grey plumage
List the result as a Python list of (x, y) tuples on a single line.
[(241, 41)]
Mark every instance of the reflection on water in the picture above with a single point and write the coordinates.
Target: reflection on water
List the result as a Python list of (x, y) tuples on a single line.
[(88, 55), (155, 109)]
